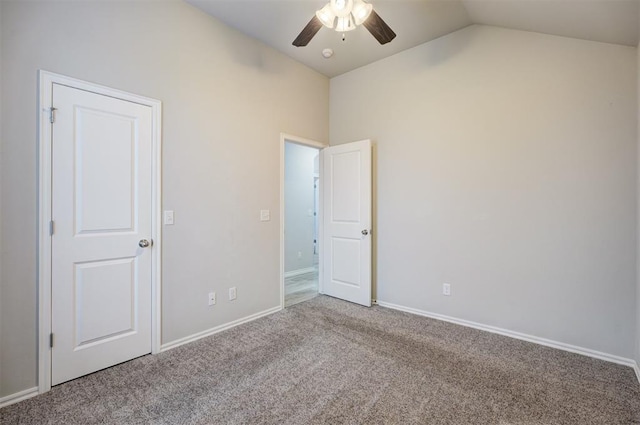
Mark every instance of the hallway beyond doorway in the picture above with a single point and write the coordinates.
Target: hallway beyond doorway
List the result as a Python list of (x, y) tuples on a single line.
[(302, 287)]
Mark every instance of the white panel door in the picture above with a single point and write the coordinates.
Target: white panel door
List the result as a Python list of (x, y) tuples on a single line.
[(346, 183), (101, 209)]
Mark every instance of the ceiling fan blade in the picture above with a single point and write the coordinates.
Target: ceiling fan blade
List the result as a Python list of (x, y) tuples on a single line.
[(379, 28), (308, 32)]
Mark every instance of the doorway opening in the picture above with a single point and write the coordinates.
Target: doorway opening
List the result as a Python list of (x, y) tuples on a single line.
[(300, 219), (341, 223), (301, 256)]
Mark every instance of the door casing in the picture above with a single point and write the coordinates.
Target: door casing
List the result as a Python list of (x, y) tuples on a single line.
[(46, 80), (284, 138)]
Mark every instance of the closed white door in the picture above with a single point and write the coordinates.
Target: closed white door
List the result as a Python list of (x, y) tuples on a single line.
[(346, 182), (101, 247)]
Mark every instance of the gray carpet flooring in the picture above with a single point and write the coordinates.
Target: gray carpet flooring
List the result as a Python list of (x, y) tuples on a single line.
[(326, 361)]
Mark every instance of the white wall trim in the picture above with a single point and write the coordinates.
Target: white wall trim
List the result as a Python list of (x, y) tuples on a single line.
[(284, 138), (518, 335), (299, 272), (46, 81), (216, 329), (19, 396), (32, 392)]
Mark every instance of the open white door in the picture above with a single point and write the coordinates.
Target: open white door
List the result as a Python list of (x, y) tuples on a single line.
[(101, 278), (346, 242)]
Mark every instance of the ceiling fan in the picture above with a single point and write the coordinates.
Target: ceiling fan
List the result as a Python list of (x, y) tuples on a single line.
[(343, 16)]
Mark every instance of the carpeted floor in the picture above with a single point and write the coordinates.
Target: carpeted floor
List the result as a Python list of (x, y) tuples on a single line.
[(326, 361)]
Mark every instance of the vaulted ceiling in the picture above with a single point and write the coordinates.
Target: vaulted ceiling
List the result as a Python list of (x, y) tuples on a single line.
[(278, 22)]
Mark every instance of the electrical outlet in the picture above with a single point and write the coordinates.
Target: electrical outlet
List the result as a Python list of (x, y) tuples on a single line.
[(212, 298), (265, 215), (232, 293), (446, 289)]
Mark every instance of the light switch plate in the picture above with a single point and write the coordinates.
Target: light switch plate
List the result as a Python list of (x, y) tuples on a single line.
[(168, 217), (265, 215)]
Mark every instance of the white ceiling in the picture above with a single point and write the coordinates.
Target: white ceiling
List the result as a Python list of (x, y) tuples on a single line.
[(278, 22)]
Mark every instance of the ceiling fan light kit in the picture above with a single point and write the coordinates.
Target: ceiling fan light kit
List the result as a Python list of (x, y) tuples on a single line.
[(361, 11), (343, 16), (345, 24), (326, 16)]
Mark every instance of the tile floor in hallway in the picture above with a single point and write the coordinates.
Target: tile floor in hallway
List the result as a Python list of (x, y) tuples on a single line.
[(300, 288)]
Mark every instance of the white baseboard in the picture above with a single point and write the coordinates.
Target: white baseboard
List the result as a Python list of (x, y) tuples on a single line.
[(517, 335), (215, 330), (31, 392), (19, 396), (299, 271)]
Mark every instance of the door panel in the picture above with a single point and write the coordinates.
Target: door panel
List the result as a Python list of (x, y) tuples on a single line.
[(345, 168), (347, 222), (101, 207), (100, 285), (345, 254), (109, 149)]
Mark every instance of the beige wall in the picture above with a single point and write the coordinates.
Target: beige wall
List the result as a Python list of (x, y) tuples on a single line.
[(226, 98), (506, 167)]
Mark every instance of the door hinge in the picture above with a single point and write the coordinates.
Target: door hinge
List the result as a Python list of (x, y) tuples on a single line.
[(51, 340), (52, 114), (51, 228)]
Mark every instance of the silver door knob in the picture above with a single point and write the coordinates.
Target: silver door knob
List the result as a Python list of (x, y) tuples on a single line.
[(144, 243), (365, 232)]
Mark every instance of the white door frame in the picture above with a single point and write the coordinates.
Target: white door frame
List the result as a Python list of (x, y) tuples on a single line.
[(46, 80), (284, 138)]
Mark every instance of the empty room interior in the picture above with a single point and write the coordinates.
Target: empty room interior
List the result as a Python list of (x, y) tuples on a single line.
[(345, 211)]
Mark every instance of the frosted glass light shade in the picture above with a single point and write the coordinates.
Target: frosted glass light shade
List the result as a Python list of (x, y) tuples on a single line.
[(345, 24), (341, 8), (326, 16), (361, 11)]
